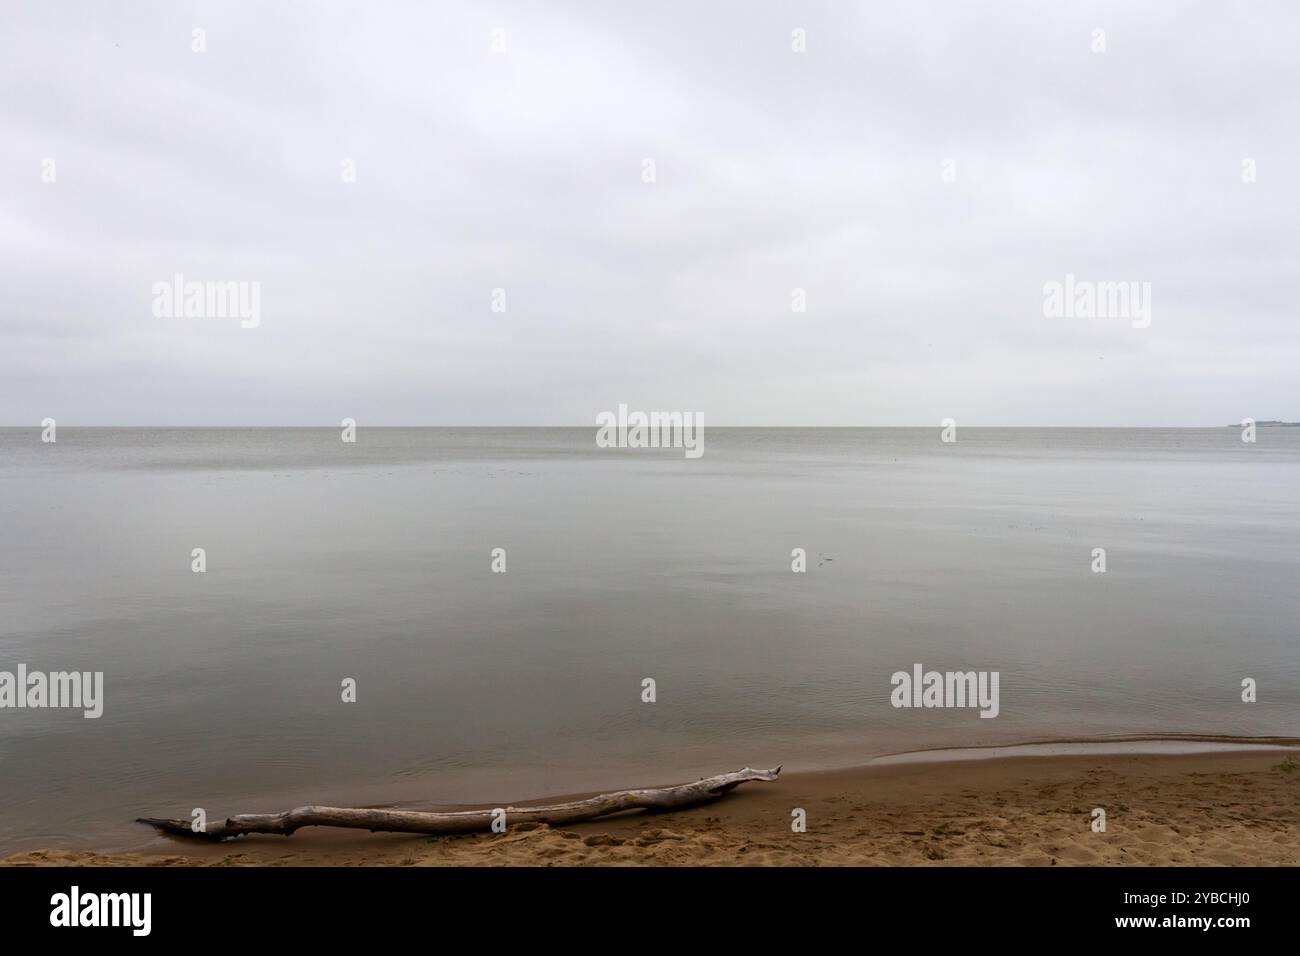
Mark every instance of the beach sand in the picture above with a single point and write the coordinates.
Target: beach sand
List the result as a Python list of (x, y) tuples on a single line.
[(1236, 809)]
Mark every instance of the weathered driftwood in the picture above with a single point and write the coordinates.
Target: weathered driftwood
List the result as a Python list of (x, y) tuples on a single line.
[(465, 821)]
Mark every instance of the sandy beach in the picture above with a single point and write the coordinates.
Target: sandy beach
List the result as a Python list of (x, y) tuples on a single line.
[(1235, 809)]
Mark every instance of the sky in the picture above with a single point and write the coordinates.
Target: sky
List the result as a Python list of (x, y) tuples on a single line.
[(921, 171)]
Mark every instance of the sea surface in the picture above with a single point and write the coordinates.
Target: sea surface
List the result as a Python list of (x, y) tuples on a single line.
[(372, 561)]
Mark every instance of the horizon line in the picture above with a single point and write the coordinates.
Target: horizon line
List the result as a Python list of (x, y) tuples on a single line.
[(38, 426)]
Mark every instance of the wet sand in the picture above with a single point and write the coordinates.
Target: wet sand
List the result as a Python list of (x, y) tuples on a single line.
[(1235, 807)]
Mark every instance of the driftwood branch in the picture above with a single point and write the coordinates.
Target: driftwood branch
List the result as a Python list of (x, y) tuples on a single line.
[(466, 821)]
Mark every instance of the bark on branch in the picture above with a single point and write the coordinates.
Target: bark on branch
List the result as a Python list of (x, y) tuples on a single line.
[(466, 821)]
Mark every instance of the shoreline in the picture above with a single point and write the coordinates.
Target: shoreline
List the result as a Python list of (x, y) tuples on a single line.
[(1115, 745), (1167, 802)]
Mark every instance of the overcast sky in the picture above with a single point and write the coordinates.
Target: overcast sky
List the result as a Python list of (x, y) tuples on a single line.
[(774, 170)]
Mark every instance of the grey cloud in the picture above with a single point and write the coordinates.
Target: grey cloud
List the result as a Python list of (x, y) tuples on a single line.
[(776, 170)]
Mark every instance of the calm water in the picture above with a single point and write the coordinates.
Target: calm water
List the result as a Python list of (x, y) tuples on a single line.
[(371, 561)]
